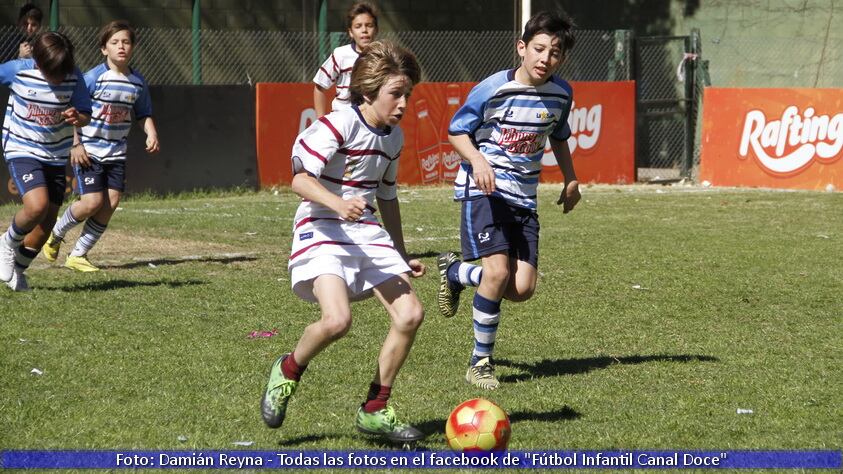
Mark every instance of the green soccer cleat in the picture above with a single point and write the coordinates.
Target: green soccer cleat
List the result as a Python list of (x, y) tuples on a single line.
[(448, 297), (80, 263), (385, 424), (279, 389), (51, 248), (482, 375)]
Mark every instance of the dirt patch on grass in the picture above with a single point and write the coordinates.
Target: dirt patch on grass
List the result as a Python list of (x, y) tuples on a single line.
[(121, 246)]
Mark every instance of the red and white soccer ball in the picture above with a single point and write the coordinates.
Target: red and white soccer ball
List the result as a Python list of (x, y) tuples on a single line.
[(478, 425)]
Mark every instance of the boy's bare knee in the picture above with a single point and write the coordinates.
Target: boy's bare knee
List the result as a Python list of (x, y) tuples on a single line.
[(411, 319), (36, 212), (497, 276), (91, 205), (336, 326)]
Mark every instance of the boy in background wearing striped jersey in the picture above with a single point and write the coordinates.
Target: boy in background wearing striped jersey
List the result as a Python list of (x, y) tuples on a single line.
[(344, 164), (361, 21), (47, 99), (116, 90), (500, 133)]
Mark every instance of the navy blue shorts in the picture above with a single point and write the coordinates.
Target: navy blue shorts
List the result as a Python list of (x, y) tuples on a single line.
[(29, 173), (100, 176), (491, 225)]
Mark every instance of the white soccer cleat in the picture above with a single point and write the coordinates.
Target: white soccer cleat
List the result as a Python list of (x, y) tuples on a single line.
[(18, 281), (7, 260)]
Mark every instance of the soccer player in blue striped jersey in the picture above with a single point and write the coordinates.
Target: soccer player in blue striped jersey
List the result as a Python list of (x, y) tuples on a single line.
[(47, 99), (500, 133), (117, 92)]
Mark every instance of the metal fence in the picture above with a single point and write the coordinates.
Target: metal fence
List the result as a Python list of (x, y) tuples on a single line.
[(166, 56), (774, 62)]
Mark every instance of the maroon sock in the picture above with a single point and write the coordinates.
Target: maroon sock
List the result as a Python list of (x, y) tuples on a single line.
[(377, 398), (291, 369)]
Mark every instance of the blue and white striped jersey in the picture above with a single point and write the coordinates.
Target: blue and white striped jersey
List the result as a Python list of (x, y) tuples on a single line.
[(509, 123), (34, 126), (113, 96)]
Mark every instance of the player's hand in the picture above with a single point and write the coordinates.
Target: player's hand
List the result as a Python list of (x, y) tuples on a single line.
[(570, 196), (25, 50), (484, 176), (71, 116), (417, 268), (152, 144), (79, 157), (352, 209)]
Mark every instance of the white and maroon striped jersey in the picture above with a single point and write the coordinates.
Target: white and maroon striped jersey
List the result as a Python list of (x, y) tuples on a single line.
[(349, 158), (337, 69)]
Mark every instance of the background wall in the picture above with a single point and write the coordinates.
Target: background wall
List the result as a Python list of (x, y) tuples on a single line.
[(207, 136)]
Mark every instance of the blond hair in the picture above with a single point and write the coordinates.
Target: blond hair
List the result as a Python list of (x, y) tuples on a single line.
[(377, 62)]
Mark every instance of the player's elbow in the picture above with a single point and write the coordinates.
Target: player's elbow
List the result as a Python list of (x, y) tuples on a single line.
[(301, 182)]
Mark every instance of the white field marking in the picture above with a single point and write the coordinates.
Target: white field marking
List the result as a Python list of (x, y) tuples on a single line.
[(431, 239), (205, 212)]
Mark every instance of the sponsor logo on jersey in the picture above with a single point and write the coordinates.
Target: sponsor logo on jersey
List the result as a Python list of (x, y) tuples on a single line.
[(545, 115), (43, 115), (305, 235), (111, 113), (521, 142), (792, 141)]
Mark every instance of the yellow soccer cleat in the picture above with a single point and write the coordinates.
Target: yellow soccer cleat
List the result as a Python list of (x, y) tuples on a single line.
[(80, 263), (51, 248)]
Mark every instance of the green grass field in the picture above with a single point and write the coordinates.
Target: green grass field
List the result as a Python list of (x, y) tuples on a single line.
[(660, 312)]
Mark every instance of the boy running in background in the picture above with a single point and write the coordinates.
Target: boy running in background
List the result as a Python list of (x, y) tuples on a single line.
[(362, 24), (344, 164), (116, 90), (47, 99), (500, 133)]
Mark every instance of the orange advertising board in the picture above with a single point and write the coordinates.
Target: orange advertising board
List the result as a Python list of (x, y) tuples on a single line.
[(602, 122), (772, 138)]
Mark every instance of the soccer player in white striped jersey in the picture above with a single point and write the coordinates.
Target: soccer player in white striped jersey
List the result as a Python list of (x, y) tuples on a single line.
[(500, 133), (362, 25), (344, 164), (47, 98), (117, 91)]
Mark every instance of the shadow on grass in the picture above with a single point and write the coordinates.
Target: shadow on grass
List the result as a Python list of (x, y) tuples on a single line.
[(118, 284), (555, 367), (179, 260), (437, 426)]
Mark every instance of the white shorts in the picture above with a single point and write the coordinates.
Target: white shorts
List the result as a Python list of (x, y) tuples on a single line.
[(361, 274)]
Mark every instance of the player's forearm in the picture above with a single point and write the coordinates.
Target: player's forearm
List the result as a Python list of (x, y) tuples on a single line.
[(467, 151), (391, 217), (563, 159), (149, 127), (309, 188), (320, 101)]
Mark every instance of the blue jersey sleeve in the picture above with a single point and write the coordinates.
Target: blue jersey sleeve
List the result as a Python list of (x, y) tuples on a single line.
[(91, 78), (143, 105), (10, 69), (563, 130), (81, 99), (469, 117)]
